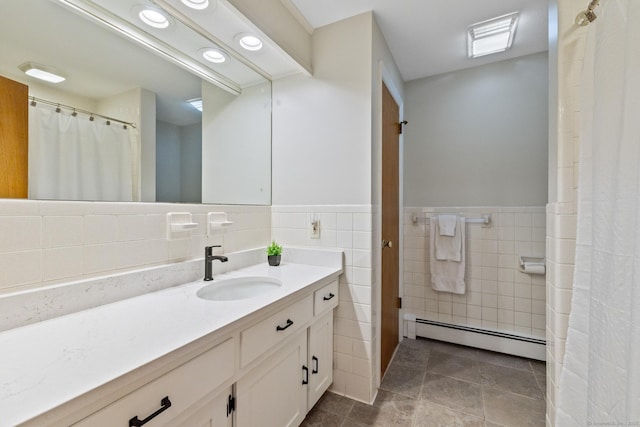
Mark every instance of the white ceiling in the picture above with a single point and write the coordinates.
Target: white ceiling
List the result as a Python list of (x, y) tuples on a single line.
[(428, 37)]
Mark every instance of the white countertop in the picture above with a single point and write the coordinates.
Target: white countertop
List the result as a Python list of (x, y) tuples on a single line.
[(46, 364)]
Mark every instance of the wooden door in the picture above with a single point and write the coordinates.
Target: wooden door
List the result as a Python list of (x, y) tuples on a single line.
[(390, 226), (14, 148)]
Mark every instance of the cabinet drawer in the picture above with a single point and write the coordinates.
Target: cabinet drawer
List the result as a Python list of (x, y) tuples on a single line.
[(260, 337), (183, 387), (325, 298)]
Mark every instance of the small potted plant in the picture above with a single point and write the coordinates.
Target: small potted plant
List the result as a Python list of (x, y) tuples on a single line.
[(274, 253)]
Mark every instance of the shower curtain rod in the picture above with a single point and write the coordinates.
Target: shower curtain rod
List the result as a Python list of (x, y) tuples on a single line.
[(75, 110), (587, 16)]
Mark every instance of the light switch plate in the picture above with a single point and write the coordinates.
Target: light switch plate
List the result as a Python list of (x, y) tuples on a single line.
[(315, 229)]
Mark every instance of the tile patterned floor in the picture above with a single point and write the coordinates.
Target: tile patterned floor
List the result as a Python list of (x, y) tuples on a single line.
[(435, 384)]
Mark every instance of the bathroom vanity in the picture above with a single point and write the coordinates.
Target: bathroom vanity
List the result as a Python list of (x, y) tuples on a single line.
[(177, 357)]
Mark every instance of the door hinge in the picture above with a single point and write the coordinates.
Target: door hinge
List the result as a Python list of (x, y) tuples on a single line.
[(231, 405), (399, 302)]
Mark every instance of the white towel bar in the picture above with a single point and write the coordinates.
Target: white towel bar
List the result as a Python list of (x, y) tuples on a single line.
[(486, 219)]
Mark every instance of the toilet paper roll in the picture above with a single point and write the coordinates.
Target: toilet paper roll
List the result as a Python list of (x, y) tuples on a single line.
[(534, 268)]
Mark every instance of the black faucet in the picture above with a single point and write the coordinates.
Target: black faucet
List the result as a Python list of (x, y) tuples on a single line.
[(209, 257)]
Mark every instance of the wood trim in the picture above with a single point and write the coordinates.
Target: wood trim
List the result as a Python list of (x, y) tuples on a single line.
[(14, 139)]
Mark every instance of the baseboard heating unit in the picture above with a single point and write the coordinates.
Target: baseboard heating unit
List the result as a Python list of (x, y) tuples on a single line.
[(503, 342)]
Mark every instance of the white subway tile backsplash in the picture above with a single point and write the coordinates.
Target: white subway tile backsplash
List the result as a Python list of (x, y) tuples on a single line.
[(345, 222), (344, 239), (52, 241), (99, 229), (362, 331), (156, 226), (362, 240), (362, 312), (20, 233), (130, 227), (361, 276), (362, 222), (20, 268), (62, 263), (59, 231), (100, 258)]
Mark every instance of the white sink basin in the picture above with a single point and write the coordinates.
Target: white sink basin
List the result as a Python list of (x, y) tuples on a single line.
[(238, 288)]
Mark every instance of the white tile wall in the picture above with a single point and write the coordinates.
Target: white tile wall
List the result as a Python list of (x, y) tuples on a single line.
[(349, 228), (498, 295), (561, 214), (46, 242)]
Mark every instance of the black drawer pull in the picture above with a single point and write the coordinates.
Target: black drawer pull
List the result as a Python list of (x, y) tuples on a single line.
[(135, 422), (305, 380), (282, 328), (317, 365), (329, 297)]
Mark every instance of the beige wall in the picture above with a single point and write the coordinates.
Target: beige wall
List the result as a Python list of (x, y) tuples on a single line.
[(479, 137)]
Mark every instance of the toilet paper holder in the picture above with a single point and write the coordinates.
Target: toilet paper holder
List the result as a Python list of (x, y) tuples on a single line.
[(532, 265)]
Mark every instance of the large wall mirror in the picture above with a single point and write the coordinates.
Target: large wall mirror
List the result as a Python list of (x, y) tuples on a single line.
[(170, 151)]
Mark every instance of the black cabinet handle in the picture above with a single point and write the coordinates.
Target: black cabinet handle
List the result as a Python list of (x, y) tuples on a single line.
[(135, 422), (317, 365), (327, 298), (282, 328), (305, 380)]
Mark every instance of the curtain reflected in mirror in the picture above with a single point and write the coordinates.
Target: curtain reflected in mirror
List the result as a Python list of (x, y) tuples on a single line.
[(110, 75), (80, 158)]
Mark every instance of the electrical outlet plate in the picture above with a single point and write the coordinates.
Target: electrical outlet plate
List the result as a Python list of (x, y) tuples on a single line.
[(315, 229)]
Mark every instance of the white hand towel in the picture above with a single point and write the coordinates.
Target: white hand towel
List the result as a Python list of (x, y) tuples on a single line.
[(448, 248), (447, 224), (447, 276)]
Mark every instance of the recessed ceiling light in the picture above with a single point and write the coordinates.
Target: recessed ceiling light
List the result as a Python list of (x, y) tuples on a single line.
[(196, 4), (196, 103), (249, 42), (491, 36), (153, 18), (216, 56), (42, 72)]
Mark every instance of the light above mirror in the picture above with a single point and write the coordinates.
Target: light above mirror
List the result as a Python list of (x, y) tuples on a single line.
[(249, 42), (196, 4), (153, 18), (42, 72), (217, 56)]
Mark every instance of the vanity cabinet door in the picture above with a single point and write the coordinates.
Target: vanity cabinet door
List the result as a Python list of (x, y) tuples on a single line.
[(320, 357), (274, 394), (215, 413)]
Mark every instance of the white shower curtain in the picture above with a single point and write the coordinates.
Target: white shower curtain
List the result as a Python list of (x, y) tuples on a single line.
[(600, 380), (73, 158)]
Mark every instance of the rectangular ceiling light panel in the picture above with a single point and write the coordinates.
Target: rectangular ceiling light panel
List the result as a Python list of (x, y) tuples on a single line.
[(491, 36)]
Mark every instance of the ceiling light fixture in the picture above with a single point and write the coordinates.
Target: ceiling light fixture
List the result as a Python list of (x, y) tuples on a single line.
[(249, 42), (153, 18), (196, 4), (42, 72), (491, 36), (196, 103), (214, 55)]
